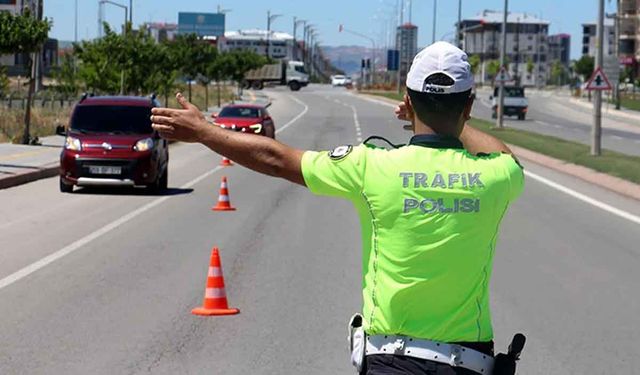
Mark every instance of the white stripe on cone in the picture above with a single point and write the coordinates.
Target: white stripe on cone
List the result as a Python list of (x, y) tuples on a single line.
[(214, 293), (214, 272), (224, 198)]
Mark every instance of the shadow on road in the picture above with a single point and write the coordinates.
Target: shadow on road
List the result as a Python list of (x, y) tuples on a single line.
[(130, 191)]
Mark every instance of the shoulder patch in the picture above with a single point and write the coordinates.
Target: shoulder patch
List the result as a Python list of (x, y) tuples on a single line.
[(340, 152)]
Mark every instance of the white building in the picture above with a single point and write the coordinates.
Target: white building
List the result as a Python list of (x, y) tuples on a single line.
[(280, 44), (527, 45), (161, 31), (589, 38)]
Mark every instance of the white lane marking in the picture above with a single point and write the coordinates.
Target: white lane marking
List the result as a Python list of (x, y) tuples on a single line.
[(542, 123), (585, 198), (356, 123), (381, 102), (304, 111), (35, 266), (555, 185), (617, 137)]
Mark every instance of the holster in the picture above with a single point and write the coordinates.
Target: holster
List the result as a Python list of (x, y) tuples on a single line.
[(357, 340), (504, 364)]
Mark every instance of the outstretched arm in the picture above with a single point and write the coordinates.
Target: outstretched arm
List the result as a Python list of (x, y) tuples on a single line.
[(260, 154)]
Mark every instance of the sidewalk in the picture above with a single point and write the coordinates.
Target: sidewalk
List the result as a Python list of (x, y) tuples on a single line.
[(20, 164)]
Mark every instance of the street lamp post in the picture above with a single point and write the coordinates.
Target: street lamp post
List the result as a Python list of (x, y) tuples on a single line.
[(126, 11), (503, 51), (435, 9), (270, 18), (295, 28), (596, 133)]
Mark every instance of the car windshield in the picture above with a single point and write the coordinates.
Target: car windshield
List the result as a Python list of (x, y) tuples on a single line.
[(339, 77), (510, 92), (112, 119), (244, 112), (300, 69)]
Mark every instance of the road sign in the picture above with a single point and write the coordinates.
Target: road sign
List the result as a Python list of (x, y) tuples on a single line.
[(611, 69), (598, 81), (393, 60), (503, 75)]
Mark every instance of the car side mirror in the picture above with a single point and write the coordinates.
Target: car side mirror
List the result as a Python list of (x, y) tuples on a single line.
[(214, 115), (61, 130)]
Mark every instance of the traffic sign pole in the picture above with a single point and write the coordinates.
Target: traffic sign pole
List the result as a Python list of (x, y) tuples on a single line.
[(503, 51), (596, 133)]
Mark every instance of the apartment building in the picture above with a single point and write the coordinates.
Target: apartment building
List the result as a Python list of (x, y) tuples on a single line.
[(527, 45), (629, 31), (589, 38)]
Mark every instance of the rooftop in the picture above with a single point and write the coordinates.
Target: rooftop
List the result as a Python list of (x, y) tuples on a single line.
[(492, 16), (253, 34)]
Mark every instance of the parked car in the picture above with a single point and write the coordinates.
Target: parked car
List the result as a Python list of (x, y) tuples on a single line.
[(515, 103), (246, 118), (110, 142), (338, 80)]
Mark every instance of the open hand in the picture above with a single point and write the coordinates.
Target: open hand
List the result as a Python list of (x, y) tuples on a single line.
[(186, 124), (403, 112)]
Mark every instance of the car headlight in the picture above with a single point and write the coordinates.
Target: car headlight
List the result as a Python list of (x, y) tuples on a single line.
[(74, 144), (144, 145)]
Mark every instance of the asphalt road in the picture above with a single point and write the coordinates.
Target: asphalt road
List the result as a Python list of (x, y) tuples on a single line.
[(556, 115), (103, 282)]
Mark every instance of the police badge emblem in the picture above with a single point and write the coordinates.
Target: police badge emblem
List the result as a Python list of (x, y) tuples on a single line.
[(340, 152)]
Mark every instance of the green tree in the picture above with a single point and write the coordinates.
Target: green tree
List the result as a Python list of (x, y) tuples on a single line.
[(474, 61), (4, 80), (584, 67), (191, 54), (23, 34), (66, 76), (493, 66), (530, 65), (558, 73)]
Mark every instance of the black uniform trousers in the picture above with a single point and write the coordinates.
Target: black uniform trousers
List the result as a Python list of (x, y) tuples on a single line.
[(389, 364)]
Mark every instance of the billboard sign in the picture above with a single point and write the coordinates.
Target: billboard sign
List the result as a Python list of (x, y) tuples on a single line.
[(201, 24)]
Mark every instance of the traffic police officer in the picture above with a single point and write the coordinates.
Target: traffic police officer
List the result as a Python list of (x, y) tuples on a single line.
[(430, 213)]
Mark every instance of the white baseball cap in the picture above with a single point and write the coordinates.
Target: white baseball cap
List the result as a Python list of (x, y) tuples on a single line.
[(445, 58)]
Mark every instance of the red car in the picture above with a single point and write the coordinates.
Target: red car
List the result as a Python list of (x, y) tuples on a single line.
[(246, 118), (110, 142)]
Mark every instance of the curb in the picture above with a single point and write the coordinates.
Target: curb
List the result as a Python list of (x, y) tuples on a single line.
[(603, 180), (614, 112), (47, 171)]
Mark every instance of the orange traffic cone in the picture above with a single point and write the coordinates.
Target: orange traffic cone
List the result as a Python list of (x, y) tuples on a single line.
[(215, 297), (226, 162), (224, 204)]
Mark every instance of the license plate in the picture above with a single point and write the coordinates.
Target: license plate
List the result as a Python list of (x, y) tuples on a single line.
[(101, 169)]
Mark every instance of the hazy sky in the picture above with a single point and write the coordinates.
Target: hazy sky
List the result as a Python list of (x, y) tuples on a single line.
[(370, 17)]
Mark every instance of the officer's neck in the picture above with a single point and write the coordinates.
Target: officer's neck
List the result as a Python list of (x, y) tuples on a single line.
[(420, 128)]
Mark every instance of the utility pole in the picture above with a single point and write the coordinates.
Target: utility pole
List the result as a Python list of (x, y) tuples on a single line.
[(131, 13), (517, 50), (38, 55), (597, 103), (435, 8), (295, 42), (503, 52), (270, 18), (459, 26)]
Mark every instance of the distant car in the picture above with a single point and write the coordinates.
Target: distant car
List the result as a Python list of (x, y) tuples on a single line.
[(246, 118), (110, 142), (338, 80), (515, 103)]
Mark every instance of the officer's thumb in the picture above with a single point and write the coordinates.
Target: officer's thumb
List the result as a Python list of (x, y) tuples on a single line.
[(184, 103)]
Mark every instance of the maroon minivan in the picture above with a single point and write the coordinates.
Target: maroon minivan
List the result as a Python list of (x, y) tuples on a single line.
[(110, 142)]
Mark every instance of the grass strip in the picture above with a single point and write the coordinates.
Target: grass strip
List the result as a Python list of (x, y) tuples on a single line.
[(610, 162)]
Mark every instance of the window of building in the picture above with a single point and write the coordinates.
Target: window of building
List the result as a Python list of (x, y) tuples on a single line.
[(530, 48)]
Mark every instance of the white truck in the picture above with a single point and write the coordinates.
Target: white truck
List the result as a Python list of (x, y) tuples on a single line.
[(515, 103), (286, 73)]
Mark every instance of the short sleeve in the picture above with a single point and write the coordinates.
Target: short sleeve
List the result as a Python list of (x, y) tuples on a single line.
[(338, 173), (515, 175)]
